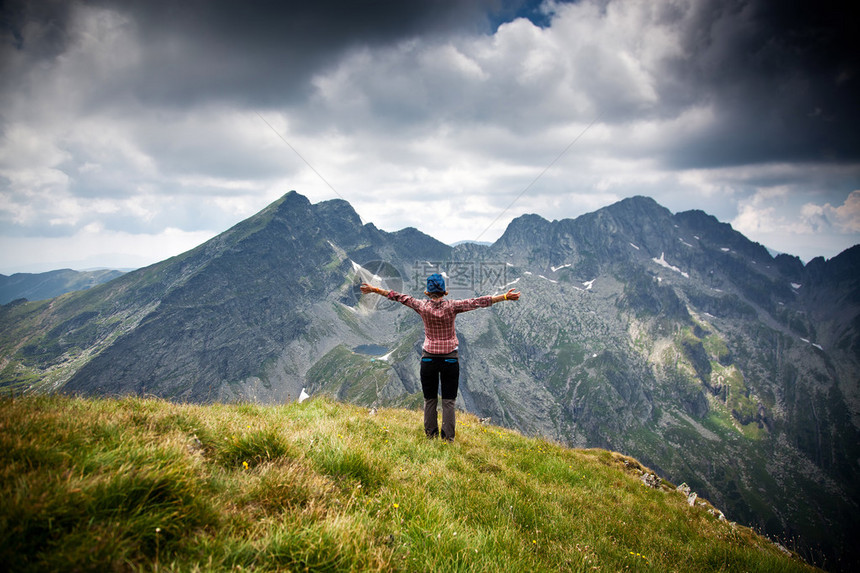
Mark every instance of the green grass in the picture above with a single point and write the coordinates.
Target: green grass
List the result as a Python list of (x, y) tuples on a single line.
[(147, 485)]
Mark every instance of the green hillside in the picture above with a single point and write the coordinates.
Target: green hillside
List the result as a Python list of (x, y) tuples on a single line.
[(144, 484)]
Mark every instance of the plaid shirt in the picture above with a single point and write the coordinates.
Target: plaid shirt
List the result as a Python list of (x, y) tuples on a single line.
[(438, 316)]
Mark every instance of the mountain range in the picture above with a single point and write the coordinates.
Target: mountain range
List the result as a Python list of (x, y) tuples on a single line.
[(39, 286), (668, 337)]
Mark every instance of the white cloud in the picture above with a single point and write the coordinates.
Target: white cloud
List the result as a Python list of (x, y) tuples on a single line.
[(138, 123), (773, 218), (94, 246), (844, 218), (848, 214)]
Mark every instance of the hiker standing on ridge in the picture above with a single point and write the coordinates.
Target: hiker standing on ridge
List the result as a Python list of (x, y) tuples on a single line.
[(439, 361)]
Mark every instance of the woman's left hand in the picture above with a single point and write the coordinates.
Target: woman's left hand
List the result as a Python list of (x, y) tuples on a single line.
[(512, 295)]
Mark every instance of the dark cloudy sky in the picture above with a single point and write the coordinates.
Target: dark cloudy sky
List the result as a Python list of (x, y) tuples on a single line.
[(133, 130)]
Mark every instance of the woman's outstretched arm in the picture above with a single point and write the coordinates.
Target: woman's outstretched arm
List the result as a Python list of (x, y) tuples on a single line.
[(510, 295), (366, 288)]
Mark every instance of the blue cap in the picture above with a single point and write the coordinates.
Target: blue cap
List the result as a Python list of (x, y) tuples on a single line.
[(435, 283)]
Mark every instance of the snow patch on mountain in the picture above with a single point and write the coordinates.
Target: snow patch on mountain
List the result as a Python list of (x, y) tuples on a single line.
[(662, 262)]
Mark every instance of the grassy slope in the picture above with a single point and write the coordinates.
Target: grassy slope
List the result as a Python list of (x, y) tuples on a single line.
[(323, 486)]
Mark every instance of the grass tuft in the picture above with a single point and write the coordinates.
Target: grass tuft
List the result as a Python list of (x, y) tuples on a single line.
[(249, 450)]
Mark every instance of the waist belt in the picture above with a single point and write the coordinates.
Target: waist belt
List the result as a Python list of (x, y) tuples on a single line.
[(452, 354)]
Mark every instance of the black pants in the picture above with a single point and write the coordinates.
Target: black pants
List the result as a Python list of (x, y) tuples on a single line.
[(436, 371)]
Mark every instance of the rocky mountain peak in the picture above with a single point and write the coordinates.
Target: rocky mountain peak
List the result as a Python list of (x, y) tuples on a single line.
[(791, 267), (337, 211), (714, 234), (841, 268), (637, 223), (525, 230), (637, 208)]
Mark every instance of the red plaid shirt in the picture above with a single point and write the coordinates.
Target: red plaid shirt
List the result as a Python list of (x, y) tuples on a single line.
[(438, 316)]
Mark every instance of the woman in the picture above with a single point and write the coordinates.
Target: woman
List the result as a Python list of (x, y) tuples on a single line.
[(439, 361)]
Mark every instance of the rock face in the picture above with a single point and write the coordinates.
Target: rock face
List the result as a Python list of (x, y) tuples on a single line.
[(668, 337)]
